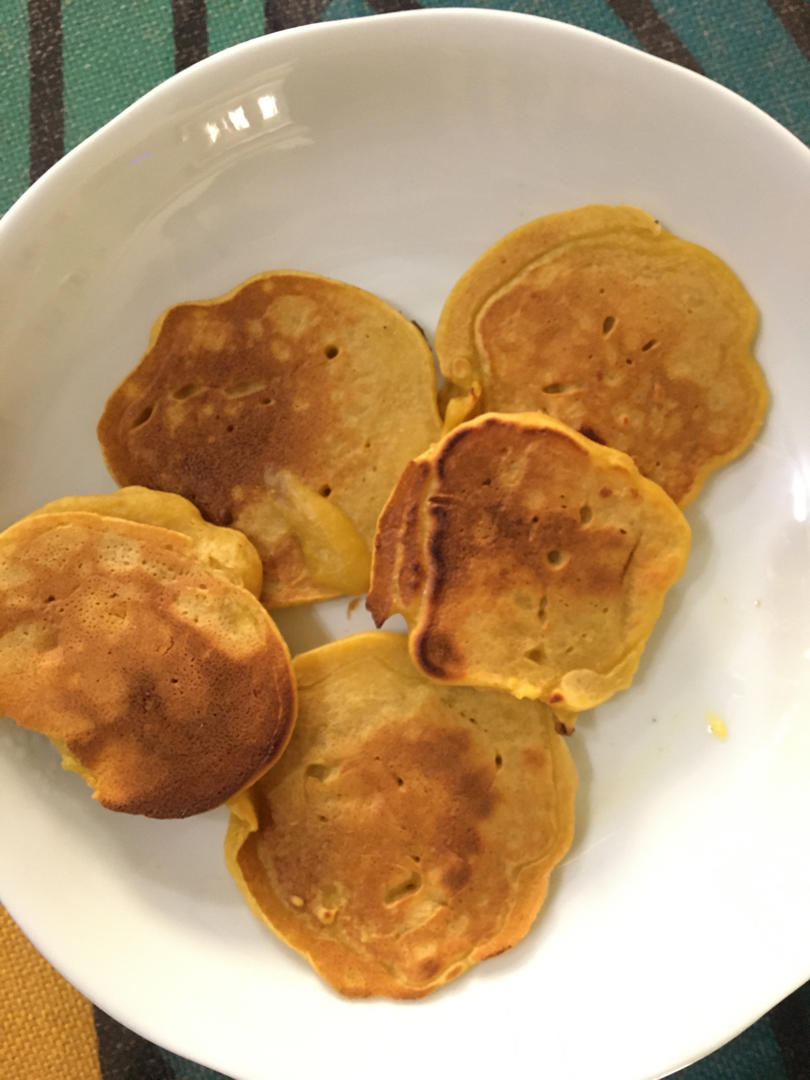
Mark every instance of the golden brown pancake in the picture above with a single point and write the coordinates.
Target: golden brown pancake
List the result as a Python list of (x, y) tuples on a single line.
[(527, 557), (287, 408), (166, 685), (603, 319), (226, 550), (410, 828)]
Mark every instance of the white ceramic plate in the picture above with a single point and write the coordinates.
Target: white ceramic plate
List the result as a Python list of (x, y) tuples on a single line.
[(389, 152)]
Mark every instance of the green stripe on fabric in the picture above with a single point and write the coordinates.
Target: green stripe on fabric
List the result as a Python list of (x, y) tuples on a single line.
[(345, 9), (744, 46), (232, 21), (754, 1055), (14, 113), (591, 14), (112, 57)]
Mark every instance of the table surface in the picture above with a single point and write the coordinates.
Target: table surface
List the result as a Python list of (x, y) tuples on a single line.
[(68, 67)]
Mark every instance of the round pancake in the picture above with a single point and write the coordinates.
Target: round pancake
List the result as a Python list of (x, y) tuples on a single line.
[(410, 828), (287, 408), (527, 557), (226, 550), (603, 319), (167, 686)]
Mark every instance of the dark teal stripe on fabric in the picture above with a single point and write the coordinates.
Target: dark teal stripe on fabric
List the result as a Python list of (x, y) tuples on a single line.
[(654, 32), (790, 1023), (230, 23), (754, 1055), (744, 46), (183, 1070), (190, 32), (382, 7), (112, 57), (795, 17), (46, 125), (282, 14), (14, 114)]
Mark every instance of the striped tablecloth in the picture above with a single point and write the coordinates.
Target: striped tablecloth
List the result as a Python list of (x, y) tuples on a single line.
[(65, 69)]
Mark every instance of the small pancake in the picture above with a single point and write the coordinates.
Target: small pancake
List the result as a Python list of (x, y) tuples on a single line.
[(226, 550), (287, 408), (527, 557), (410, 828), (603, 319), (166, 685)]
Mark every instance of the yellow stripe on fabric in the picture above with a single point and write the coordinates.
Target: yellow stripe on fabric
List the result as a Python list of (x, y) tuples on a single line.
[(46, 1026)]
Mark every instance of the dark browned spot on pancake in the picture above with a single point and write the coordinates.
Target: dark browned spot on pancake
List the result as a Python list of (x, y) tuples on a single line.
[(608, 324), (648, 345), (331, 351), (535, 654), (325, 491), (437, 653), (589, 433), (429, 967), (456, 876), (585, 515), (605, 492)]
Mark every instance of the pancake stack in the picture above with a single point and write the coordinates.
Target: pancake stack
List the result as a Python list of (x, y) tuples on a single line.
[(287, 409), (138, 650), (410, 828)]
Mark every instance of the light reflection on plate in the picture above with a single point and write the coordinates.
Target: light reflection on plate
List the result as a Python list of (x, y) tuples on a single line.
[(390, 152)]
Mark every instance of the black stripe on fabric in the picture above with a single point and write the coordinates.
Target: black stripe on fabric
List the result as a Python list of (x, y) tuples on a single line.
[(190, 27), (282, 14), (795, 17), (383, 6), (790, 1022), (654, 32), (123, 1055), (46, 116)]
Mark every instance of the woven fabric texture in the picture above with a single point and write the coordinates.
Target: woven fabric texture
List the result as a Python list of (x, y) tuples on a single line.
[(69, 66)]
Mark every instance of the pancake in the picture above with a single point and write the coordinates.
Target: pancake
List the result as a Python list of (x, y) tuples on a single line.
[(603, 319), (286, 408), (525, 556), (225, 550), (410, 828), (163, 683)]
